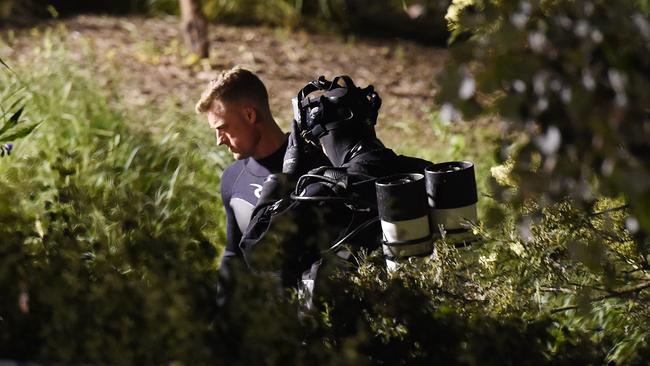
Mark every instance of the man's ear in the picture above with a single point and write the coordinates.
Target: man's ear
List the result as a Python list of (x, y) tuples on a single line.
[(250, 113)]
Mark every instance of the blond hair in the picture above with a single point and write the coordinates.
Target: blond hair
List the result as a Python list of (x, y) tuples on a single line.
[(235, 84)]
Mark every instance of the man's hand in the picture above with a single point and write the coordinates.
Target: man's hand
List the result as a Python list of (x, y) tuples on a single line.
[(275, 187), (301, 156), (292, 155)]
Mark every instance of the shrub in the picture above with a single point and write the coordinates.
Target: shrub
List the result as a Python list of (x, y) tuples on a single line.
[(570, 81), (109, 232)]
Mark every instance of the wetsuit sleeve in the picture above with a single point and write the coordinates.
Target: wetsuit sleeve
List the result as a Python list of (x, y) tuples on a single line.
[(233, 234), (231, 262)]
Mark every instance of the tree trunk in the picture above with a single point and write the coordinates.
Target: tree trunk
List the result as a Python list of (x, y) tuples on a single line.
[(194, 27)]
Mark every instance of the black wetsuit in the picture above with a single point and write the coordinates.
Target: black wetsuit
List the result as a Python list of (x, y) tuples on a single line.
[(241, 185), (288, 237)]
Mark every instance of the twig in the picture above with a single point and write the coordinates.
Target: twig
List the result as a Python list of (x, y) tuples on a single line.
[(564, 308), (608, 210), (629, 272), (612, 294), (559, 289), (604, 234), (411, 95), (578, 285), (633, 289)]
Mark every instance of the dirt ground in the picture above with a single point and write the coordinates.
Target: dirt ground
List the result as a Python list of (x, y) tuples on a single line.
[(157, 68)]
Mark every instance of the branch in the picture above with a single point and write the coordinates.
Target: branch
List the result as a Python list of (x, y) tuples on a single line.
[(558, 289), (608, 210), (614, 293), (593, 287), (631, 271), (564, 308), (411, 94), (638, 288), (604, 234)]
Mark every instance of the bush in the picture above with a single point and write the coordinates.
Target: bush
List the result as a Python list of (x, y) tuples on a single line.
[(108, 232), (111, 234), (423, 20), (574, 78), (570, 81), (414, 20)]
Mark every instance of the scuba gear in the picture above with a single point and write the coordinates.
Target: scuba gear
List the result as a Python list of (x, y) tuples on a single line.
[(337, 105), (300, 156), (334, 213), (410, 222), (404, 214), (452, 197), (275, 187), (338, 116), (309, 222), (292, 156)]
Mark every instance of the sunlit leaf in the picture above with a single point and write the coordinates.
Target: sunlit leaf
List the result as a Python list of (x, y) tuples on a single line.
[(19, 134), (12, 121)]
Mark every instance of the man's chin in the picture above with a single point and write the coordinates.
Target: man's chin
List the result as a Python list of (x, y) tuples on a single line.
[(238, 155)]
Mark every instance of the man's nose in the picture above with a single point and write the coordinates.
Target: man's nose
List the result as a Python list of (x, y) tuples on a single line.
[(220, 137)]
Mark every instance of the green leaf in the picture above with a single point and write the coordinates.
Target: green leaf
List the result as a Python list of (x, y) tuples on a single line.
[(129, 160), (11, 94), (18, 134), (13, 120), (4, 64), (15, 104)]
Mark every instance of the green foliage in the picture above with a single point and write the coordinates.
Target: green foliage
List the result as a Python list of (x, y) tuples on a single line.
[(108, 231), (572, 75), (570, 80), (111, 228), (22, 10), (421, 313), (278, 12), (158, 7), (10, 118), (425, 313), (420, 20)]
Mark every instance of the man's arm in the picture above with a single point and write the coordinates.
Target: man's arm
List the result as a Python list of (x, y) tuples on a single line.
[(231, 261), (233, 234)]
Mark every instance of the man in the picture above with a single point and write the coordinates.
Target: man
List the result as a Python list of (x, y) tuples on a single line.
[(332, 212), (237, 107)]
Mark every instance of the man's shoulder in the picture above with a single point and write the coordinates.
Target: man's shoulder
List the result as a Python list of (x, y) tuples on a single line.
[(232, 171), (235, 166)]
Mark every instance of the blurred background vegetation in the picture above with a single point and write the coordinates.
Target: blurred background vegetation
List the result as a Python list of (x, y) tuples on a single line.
[(423, 20), (111, 224)]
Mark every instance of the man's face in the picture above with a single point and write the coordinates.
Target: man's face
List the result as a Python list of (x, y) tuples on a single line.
[(234, 125)]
